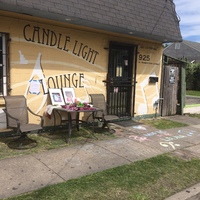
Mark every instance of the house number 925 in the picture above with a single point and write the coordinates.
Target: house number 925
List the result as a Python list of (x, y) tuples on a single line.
[(144, 57)]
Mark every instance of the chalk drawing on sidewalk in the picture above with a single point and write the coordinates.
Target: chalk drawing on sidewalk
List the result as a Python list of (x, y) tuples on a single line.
[(139, 127), (138, 138), (166, 139), (168, 144)]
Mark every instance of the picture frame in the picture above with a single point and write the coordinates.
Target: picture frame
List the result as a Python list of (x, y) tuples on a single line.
[(69, 95), (56, 96)]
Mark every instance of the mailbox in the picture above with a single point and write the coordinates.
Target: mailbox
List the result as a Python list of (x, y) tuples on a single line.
[(153, 79)]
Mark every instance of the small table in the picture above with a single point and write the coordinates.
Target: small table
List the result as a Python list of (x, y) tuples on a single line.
[(92, 111)]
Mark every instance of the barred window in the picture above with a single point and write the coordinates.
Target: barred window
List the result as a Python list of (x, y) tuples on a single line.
[(4, 64)]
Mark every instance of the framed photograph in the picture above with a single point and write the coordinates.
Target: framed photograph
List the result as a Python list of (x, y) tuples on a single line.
[(69, 95), (56, 96)]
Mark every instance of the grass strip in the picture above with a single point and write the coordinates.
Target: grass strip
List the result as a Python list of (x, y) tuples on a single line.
[(53, 140), (193, 93), (195, 115), (164, 123), (191, 105)]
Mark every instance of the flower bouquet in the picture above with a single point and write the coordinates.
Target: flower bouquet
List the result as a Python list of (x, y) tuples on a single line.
[(78, 106)]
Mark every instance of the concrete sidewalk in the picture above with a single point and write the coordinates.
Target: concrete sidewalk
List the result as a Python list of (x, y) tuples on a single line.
[(133, 142)]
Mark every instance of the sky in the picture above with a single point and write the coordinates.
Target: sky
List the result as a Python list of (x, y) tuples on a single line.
[(189, 13)]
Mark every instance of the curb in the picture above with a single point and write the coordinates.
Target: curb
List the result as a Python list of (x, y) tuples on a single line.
[(191, 193)]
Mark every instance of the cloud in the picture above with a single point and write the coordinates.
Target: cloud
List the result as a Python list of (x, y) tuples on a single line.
[(190, 30), (188, 11)]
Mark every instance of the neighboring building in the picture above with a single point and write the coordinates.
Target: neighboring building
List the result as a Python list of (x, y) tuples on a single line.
[(112, 47), (185, 50)]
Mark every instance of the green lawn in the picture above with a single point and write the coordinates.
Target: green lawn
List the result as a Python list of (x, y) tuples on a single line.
[(53, 140), (163, 123), (192, 93), (192, 105), (195, 115)]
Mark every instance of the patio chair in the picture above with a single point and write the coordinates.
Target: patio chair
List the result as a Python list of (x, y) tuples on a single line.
[(17, 115), (98, 101)]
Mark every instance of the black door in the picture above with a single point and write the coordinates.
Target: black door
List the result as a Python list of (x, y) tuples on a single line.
[(120, 80)]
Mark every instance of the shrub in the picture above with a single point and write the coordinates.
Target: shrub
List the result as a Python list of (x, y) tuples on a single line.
[(192, 76)]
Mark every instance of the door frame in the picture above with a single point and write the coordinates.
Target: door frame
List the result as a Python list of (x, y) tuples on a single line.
[(132, 70)]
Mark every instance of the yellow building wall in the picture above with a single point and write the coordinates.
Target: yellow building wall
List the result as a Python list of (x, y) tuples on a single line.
[(149, 64), (65, 56)]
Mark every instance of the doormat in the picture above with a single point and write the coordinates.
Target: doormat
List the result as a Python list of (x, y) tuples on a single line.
[(127, 123)]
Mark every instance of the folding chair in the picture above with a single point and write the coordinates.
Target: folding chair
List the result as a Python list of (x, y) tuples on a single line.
[(17, 114), (98, 101)]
